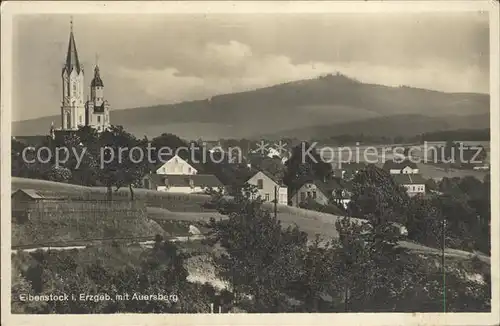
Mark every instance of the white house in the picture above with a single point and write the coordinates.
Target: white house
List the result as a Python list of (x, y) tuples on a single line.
[(269, 189), (347, 170), (178, 183), (322, 192), (403, 167), (414, 183), (176, 165)]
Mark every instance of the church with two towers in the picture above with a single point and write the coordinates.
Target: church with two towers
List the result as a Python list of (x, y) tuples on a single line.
[(75, 110)]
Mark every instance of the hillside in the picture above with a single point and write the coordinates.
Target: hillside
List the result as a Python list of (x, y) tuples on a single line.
[(392, 126), (325, 101)]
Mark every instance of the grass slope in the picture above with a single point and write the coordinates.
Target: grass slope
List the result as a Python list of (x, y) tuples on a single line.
[(61, 232), (312, 222)]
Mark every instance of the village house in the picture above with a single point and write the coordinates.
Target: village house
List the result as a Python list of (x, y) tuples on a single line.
[(269, 189), (347, 170), (176, 165), (403, 167), (325, 192), (176, 175), (414, 183), (181, 183)]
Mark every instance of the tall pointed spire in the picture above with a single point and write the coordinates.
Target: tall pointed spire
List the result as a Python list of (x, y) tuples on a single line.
[(72, 61)]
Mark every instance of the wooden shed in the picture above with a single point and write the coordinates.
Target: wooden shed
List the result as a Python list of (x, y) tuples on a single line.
[(23, 201)]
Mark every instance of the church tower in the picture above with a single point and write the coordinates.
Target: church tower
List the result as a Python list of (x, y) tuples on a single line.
[(97, 108), (73, 104)]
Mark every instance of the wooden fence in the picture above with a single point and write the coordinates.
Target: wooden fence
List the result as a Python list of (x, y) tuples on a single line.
[(56, 210)]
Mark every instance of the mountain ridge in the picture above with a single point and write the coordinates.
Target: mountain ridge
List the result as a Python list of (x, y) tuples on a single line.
[(296, 105)]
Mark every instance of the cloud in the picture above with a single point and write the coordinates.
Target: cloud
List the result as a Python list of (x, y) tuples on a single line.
[(170, 58), (234, 67)]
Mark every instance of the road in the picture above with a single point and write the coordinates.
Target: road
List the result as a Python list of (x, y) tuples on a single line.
[(451, 253), (92, 242)]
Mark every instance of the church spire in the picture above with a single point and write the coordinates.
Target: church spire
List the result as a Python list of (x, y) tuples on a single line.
[(72, 61), (97, 81)]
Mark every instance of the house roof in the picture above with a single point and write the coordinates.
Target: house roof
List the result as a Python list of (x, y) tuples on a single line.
[(393, 165), (267, 174), (183, 180), (166, 158), (408, 179), (326, 187), (97, 81)]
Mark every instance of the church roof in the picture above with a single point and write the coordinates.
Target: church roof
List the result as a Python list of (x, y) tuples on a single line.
[(97, 81), (72, 61)]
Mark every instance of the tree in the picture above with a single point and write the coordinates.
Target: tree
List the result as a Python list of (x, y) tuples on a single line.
[(101, 271), (431, 185), (124, 158), (377, 197), (17, 162), (424, 221), (262, 257), (301, 167), (371, 256), (83, 156), (319, 277), (59, 174), (271, 165)]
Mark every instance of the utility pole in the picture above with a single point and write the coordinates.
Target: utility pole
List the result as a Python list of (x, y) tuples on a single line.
[(442, 265), (276, 201)]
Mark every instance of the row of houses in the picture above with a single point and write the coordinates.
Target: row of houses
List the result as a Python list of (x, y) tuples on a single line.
[(178, 176)]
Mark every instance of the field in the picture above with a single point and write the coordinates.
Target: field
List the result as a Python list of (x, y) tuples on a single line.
[(379, 156), (177, 222)]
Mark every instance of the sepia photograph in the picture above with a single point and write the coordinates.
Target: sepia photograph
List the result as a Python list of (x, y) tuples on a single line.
[(224, 161)]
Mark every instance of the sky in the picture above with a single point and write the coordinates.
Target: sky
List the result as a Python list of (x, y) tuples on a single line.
[(167, 58)]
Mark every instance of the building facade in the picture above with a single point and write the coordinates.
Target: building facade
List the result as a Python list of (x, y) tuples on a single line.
[(181, 183), (347, 170), (269, 189), (97, 108), (413, 183), (322, 192), (75, 110), (403, 167)]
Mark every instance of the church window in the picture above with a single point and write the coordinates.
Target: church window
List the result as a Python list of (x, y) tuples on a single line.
[(68, 120), (99, 119), (80, 119), (74, 88)]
